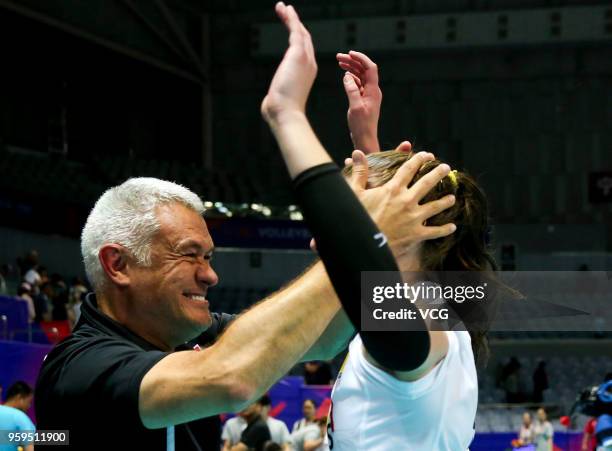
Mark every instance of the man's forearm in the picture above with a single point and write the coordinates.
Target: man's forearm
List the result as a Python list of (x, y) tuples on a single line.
[(334, 339), (265, 342)]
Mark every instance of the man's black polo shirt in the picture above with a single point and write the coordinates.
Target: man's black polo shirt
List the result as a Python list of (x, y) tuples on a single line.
[(89, 384)]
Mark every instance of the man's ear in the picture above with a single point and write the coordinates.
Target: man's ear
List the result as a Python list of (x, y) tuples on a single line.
[(113, 258)]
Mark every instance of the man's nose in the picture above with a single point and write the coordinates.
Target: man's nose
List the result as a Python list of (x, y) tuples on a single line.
[(207, 275)]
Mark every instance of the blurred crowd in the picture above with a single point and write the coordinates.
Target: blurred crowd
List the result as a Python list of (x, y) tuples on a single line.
[(49, 297), (535, 435), (255, 428)]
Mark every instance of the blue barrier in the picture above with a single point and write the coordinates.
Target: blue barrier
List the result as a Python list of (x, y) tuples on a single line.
[(16, 312), (21, 362)]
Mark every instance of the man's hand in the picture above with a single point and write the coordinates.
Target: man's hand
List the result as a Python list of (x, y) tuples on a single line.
[(396, 209), (359, 180), (365, 97), (296, 73)]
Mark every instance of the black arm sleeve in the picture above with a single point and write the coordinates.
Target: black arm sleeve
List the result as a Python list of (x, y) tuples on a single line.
[(346, 242)]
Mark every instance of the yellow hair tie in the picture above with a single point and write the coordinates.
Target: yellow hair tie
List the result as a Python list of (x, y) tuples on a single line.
[(452, 175)]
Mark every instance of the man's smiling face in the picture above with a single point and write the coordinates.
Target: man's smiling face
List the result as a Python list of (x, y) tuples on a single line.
[(171, 292)]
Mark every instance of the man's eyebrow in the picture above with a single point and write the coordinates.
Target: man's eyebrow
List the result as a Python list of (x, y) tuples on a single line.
[(188, 243)]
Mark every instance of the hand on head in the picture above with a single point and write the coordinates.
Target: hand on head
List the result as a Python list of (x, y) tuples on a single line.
[(397, 209), (404, 146), (296, 73)]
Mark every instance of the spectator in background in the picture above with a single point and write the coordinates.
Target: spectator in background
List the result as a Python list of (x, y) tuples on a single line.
[(59, 299), (24, 293), (33, 277), (43, 302), (32, 272), (511, 381), (540, 382), (234, 427), (309, 409), (232, 430), (311, 437), (12, 414), (29, 261), (19, 396), (44, 274), (77, 292), (256, 433), (543, 432), (278, 429), (74, 311), (317, 373), (526, 435)]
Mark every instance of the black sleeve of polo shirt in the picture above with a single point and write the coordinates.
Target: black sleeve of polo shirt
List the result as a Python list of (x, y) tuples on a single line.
[(107, 373), (347, 244)]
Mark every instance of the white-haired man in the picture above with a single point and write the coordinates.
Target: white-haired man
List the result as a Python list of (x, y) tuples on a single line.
[(119, 383)]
